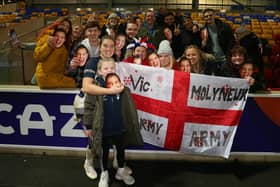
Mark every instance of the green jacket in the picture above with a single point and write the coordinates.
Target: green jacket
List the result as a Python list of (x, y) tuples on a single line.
[(93, 119)]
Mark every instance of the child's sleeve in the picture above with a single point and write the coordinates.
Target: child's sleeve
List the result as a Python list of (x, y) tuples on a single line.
[(90, 102)]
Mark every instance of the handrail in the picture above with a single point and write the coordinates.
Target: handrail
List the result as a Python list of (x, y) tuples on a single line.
[(239, 3), (4, 43)]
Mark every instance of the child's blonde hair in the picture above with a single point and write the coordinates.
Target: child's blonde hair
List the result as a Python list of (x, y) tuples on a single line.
[(105, 60)]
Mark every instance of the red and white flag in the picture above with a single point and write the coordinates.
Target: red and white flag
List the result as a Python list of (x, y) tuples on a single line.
[(190, 113)]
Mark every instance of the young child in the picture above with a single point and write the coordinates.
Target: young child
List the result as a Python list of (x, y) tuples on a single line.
[(185, 65), (105, 121)]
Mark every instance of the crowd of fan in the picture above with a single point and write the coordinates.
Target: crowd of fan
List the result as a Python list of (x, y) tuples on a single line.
[(162, 40), (84, 56)]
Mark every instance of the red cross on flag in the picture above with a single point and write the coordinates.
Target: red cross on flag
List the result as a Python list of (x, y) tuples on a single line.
[(190, 113)]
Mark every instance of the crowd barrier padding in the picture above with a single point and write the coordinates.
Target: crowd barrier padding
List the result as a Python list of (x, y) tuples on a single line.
[(36, 121)]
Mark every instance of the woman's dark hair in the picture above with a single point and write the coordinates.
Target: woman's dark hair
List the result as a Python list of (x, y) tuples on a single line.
[(68, 41), (59, 30), (80, 46), (184, 58), (238, 49), (109, 75), (92, 24)]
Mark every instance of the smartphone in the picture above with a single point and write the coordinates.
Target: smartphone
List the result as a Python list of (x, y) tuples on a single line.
[(13, 34)]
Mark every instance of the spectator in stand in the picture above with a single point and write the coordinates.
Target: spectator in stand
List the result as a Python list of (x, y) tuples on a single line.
[(77, 33), (201, 62), (61, 23), (179, 18), (153, 60), (120, 47), (185, 65), (251, 42), (111, 25), (52, 59), (76, 38), (139, 22), (140, 49), (166, 57), (14, 38), (217, 39), (247, 72), (240, 66), (150, 29), (238, 56), (196, 28), (92, 18), (175, 41), (131, 32), (160, 16), (45, 36), (92, 41), (274, 69), (190, 33), (128, 18), (169, 21), (77, 64)]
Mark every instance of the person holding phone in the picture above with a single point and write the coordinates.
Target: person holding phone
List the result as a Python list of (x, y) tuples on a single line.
[(52, 59)]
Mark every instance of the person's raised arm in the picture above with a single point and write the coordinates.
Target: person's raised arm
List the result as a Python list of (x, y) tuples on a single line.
[(90, 88)]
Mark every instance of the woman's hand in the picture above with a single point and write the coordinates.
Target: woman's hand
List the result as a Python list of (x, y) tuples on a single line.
[(74, 63), (116, 90), (250, 79), (52, 41), (177, 30)]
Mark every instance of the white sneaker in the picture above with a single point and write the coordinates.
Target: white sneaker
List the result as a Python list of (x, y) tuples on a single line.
[(127, 169), (104, 179), (126, 178), (115, 161), (90, 171)]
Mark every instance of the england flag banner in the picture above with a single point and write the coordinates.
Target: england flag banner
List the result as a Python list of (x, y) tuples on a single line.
[(189, 113)]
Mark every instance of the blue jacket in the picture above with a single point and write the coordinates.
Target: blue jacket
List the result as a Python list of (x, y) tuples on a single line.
[(113, 123)]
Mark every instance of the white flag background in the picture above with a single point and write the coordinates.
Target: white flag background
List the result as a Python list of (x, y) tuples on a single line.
[(190, 113)]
